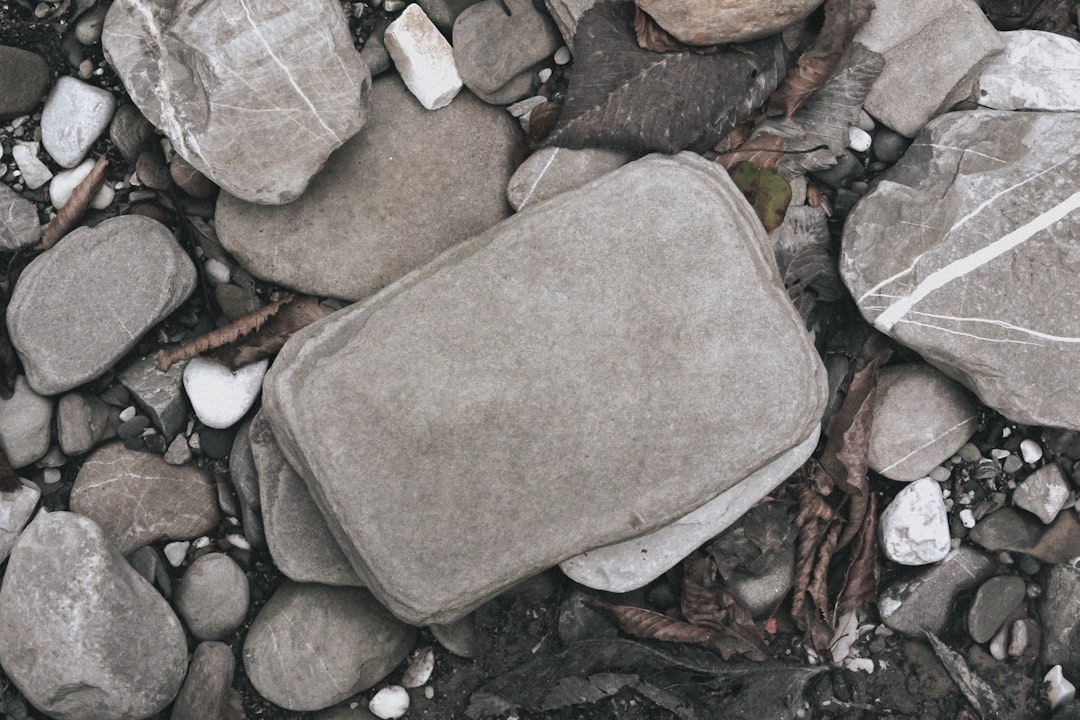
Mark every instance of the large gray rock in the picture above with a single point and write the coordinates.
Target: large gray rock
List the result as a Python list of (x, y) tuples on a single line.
[(1036, 71), (98, 290), (255, 96), (312, 645), (967, 252), (138, 498), (412, 184), (302, 545), (587, 371), (924, 602), (82, 635)]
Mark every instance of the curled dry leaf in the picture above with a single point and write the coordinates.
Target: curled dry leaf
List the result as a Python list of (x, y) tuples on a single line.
[(74, 209), (860, 580), (649, 625), (542, 120)]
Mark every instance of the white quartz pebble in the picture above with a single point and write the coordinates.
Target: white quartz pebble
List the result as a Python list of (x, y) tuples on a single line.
[(74, 116), (420, 668), (220, 396), (562, 55), (915, 527), (65, 181), (217, 271), (423, 58), (34, 172), (175, 552), (390, 702), (1060, 691), (858, 139), (1031, 451), (127, 413)]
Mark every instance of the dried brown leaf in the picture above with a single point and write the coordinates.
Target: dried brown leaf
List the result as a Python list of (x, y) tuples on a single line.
[(860, 580), (271, 337), (650, 36), (542, 120), (649, 625), (705, 603), (765, 151), (9, 479), (818, 590), (68, 216), (843, 18)]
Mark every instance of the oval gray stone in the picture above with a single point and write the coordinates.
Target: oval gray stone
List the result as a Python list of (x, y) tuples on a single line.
[(24, 76), (25, 420), (99, 289), (967, 251), (411, 185), (994, 602), (588, 370), (75, 115), (138, 498), (82, 635), (254, 96), (313, 645), (213, 596)]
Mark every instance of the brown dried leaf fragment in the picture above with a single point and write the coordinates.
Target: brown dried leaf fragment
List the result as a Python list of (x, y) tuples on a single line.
[(813, 520), (860, 580), (765, 151), (706, 603), (76, 206), (649, 625), (542, 121), (843, 18)]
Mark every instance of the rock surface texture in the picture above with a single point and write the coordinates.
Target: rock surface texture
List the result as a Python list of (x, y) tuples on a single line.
[(590, 357), (706, 22), (967, 252), (99, 289), (227, 81), (82, 634), (1036, 71), (412, 184)]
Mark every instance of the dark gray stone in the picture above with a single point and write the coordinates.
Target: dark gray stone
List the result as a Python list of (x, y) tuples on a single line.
[(213, 596), (150, 563), (245, 480), (888, 145), (924, 602), (83, 421), (1058, 610), (19, 225), (312, 645), (244, 96), (847, 170), (138, 498), (82, 635), (995, 601), (761, 594), (206, 690), (99, 289), (411, 185), (24, 77), (129, 131), (566, 361), (966, 251), (159, 394), (444, 12)]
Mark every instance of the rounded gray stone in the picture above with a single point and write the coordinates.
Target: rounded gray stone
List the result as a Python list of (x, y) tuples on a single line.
[(410, 186), (83, 421), (313, 645), (20, 226), (921, 418), (16, 507), (25, 420), (213, 596), (994, 602), (82, 635), (99, 290), (552, 170), (75, 115), (24, 77)]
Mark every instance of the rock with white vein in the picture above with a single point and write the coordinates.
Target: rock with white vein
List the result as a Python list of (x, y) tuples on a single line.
[(967, 251), (1036, 71), (225, 81)]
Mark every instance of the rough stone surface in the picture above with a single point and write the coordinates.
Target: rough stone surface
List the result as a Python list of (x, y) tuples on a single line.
[(459, 636), (1058, 610), (124, 657), (74, 116), (706, 22), (245, 480), (219, 396), (296, 533), (921, 418), (925, 602), (552, 170), (34, 172), (444, 12), (213, 596), (994, 602), (15, 510), (566, 14), (1044, 493), (159, 394), (226, 85), (138, 498), (634, 563), (1015, 531), (915, 525), (24, 77), (933, 52), (99, 289), (530, 367), (25, 418), (19, 225), (207, 687), (499, 45), (129, 131), (423, 58), (84, 421), (967, 252), (1036, 71), (312, 645), (411, 185)]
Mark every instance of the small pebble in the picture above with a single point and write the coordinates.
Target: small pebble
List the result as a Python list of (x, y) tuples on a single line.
[(65, 181), (940, 474), (202, 542), (238, 541), (999, 643), (562, 55), (967, 518), (34, 172), (1060, 691), (1031, 451), (429, 692), (1018, 641), (858, 139), (393, 701), (393, 5), (999, 454), (217, 271), (178, 452), (544, 75), (1012, 465), (865, 122), (50, 476), (970, 453), (420, 668), (128, 413), (176, 552)]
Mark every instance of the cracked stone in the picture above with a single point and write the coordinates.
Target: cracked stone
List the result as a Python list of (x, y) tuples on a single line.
[(159, 394), (84, 421)]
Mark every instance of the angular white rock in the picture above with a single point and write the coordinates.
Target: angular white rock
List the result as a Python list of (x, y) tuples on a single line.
[(390, 702), (1036, 71), (915, 527), (34, 172), (176, 552), (74, 117), (423, 58), (1060, 691), (65, 182), (220, 396)]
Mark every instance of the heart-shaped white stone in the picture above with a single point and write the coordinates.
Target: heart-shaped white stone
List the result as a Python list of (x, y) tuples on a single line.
[(221, 396)]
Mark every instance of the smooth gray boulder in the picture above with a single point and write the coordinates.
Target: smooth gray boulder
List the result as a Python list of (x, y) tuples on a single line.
[(138, 498), (82, 634), (302, 545), (255, 96), (412, 184), (587, 371), (967, 252), (98, 290), (213, 596), (313, 645)]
